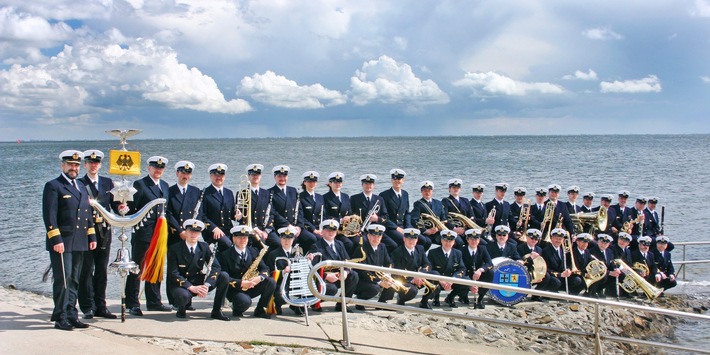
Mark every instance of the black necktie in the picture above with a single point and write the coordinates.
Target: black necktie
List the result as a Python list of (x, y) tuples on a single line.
[(368, 200), (183, 190), (561, 254), (446, 255), (192, 251), (73, 183), (335, 252), (655, 216), (501, 250), (288, 255), (220, 193)]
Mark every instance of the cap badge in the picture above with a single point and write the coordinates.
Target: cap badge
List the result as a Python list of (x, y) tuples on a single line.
[(75, 156)]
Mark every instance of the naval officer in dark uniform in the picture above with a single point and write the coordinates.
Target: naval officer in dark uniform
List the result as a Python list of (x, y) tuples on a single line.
[(337, 207), (454, 203), (218, 208), (311, 203), (148, 188), (70, 233), (257, 218), (397, 202), (429, 205), (94, 272), (182, 203), (287, 210), (364, 202), (193, 270)]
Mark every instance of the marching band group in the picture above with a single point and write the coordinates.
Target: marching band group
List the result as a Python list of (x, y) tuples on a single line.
[(247, 236)]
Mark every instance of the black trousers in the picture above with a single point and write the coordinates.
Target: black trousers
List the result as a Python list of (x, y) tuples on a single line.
[(486, 276), (576, 285), (182, 297), (93, 279), (351, 283), (65, 297), (241, 300), (549, 283), (133, 283)]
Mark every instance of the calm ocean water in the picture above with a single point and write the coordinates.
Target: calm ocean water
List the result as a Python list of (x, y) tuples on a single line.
[(672, 167)]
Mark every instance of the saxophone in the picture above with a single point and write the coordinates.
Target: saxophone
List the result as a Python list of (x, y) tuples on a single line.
[(253, 270)]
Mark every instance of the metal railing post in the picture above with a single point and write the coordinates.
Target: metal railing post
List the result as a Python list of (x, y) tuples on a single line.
[(597, 339), (683, 260), (346, 331)]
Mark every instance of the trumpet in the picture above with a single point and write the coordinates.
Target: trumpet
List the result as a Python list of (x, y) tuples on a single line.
[(244, 199), (489, 227), (373, 211), (396, 285), (628, 226), (430, 287)]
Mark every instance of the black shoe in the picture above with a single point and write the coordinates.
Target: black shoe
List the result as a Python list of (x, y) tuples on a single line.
[(535, 299), (89, 314), (260, 313), (424, 304), (189, 307), (436, 303), (63, 325), (339, 308), (135, 311), (464, 300), (181, 312), (217, 314), (297, 310), (161, 308), (237, 314), (480, 305), (105, 313), (450, 301), (360, 308), (77, 323), (279, 311)]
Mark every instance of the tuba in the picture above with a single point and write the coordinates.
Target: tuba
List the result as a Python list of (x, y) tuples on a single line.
[(598, 220), (634, 281), (461, 221), (596, 270), (244, 199)]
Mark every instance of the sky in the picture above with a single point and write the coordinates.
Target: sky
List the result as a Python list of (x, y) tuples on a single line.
[(71, 69)]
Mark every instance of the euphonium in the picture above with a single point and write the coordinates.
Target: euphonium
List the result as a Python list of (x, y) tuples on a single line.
[(244, 199), (596, 270), (597, 219), (430, 221), (638, 281), (396, 285), (460, 220)]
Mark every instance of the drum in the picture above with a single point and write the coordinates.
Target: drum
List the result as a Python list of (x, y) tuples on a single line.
[(509, 273)]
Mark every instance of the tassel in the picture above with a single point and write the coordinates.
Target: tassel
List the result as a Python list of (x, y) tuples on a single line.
[(271, 307), (155, 256)]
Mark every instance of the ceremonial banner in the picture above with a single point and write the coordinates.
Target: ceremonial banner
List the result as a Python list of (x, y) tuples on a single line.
[(122, 162)]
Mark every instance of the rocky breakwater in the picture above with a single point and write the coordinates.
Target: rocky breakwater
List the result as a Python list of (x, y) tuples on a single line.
[(617, 321)]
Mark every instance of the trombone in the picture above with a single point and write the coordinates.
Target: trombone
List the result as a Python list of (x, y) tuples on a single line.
[(547, 219), (244, 199)]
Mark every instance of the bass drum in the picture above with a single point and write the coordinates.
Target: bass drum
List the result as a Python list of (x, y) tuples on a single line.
[(509, 272)]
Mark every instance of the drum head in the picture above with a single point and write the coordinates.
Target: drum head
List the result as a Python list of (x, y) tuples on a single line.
[(509, 273)]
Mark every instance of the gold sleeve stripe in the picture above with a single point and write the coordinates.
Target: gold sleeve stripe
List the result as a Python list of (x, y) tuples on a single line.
[(91, 231), (53, 233)]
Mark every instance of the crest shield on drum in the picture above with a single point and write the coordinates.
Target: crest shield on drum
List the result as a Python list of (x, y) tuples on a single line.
[(508, 272)]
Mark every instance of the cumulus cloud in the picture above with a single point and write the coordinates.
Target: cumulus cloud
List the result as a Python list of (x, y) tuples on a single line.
[(650, 83), (701, 8), (705, 79), (601, 33), (65, 9), (277, 90), (580, 75), (491, 83), (386, 81), (99, 73)]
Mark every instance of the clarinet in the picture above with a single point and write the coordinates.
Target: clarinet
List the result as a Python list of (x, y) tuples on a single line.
[(207, 268), (663, 217), (198, 205)]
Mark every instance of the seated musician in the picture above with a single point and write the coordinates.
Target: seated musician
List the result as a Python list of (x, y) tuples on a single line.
[(287, 235), (236, 261), (371, 283), (559, 263), (478, 266), (531, 250), (645, 256), (502, 248), (664, 263), (622, 250), (331, 249), (411, 257), (447, 261), (188, 262), (607, 286), (582, 257)]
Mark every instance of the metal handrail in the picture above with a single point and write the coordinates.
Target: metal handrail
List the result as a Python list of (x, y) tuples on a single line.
[(687, 262), (595, 334)]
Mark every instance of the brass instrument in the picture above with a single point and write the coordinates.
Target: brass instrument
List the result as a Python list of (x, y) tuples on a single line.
[(489, 227), (596, 270), (629, 225), (523, 220), (430, 287), (636, 281), (373, 211), (351, 226), (244, 199), (396, 285), (641, 269), (536, 266), (430, 221), (253, 270), (567, 247), (597, 219), (460, 220), (547, 219)]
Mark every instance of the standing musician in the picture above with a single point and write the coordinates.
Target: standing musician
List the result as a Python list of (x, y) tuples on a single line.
[(94, 272), (397, 202), (587, 201), (537, 210), (664, 263), (182, 203), (478, 208), (620, 211), (372, 283), (645, 256), (502, 248), (218, 208), (194, 271), (447, 261), (287, 210), (605, 201), (236, 261), (479, 266), (531, 250), (285, 250), (311, 203), (607, 286), (148, 188), (260, 199), (559, 263), (553, 192), (653, 224), (364, 202), (582, 257), (571, 204), (70, 233), (337, 207), (636, 216), (515, 209), (411, 257), (456, 204), (433, 207), (503, 216), (332, 249)]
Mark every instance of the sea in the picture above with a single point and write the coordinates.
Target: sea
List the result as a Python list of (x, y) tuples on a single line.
[(674, 168)]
